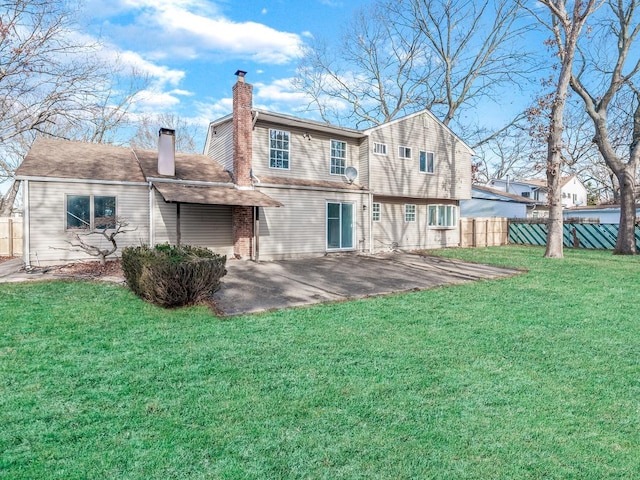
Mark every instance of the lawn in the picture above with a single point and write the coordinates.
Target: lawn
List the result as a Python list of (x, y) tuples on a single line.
[(535, 376)]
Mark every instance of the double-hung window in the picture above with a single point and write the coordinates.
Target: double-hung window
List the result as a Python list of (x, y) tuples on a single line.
[(90, 212), (427, 162), (404, 152), (442, 216), (338, 157), (409, 213), (278, 149)]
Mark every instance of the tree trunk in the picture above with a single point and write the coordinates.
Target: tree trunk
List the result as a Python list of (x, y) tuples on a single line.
[(9, 198), (626, 241)]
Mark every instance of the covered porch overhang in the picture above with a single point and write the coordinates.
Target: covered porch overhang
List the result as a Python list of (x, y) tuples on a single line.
[(216, 195)]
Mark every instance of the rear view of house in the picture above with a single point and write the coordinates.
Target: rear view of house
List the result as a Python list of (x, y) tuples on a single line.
[(396, 185), (270, 186)]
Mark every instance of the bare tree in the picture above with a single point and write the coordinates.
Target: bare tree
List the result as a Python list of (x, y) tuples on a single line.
[(52, 83), (566, 29), (398, 57), (599, 81), (146, 135), (106, 227)]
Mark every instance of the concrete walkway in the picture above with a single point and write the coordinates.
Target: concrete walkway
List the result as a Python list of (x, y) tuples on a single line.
[(249, 287), (12, 271)]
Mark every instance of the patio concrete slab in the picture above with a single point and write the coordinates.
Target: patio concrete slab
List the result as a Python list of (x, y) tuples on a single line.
[(252, 287)]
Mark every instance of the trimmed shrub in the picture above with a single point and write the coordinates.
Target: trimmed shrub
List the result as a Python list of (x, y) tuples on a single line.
[(172, 276)]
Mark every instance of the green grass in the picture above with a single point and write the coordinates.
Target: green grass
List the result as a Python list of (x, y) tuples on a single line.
[(535, 376)]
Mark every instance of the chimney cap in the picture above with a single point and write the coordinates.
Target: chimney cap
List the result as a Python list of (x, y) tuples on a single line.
[(240, 73), (166, 131)]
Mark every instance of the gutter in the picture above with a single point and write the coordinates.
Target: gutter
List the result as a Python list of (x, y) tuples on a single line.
[(78, 180)]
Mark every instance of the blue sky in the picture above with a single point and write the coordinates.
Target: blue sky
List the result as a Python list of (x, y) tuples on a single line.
[(190, 49)]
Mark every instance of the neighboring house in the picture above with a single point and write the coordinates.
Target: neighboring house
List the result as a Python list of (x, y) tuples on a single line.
[(573, 191), (602, 213), (491, 202), (397, 185), (409, 176)]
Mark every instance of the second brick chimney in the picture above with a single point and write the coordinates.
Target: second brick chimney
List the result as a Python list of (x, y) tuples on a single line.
[(242, 130)]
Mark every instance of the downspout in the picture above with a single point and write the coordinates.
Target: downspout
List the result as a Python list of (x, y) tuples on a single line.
[(256, 233), (178, 232), (371, 222), (26, 241), (151, 218)]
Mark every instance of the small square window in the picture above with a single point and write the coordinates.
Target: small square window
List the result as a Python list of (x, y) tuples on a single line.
[(375, 212), (404, 152), (380, 148), (409, 213)]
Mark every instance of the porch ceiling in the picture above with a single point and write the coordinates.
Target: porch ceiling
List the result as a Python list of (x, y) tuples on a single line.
[(209, 195)]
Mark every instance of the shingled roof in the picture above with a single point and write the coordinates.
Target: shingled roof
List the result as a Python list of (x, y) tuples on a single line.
[(55, 158)]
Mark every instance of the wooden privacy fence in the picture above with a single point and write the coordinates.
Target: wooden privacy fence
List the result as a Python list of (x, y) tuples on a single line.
[(579, 235), (10, 236), (483, 232)]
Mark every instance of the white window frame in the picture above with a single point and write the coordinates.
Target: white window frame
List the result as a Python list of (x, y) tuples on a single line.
[(376, 212), (379, 148), (410, 212), (353, 226), (277, 149), (427, 170), (442, 216), (337, 165), (404, 152)]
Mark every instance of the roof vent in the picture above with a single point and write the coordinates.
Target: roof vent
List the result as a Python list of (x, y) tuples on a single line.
[(167, 152)]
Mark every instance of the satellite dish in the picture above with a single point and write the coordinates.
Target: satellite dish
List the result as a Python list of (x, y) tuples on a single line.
[(351, 173)]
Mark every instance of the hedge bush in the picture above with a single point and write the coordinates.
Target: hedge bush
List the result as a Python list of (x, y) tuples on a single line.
[(173, 276)]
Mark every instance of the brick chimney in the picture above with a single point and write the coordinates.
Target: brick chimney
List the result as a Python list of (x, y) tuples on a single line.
[(242, 216), (242, 131)]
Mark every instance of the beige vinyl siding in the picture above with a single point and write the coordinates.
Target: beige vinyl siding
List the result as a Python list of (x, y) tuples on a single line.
[(200, 225), (363, 168), (47, 219), (299, 228), (308, 159), (393, 232), (221, 145), (391, 175)]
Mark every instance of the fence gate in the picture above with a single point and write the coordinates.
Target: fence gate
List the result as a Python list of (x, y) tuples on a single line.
[(10, 236)]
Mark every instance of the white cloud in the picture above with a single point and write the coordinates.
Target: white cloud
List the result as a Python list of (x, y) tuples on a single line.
[(263, 11), (192, 28)]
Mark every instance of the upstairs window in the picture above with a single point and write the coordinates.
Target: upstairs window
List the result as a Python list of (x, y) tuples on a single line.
[(409, 213), (380, 148), (375, 212), (87, 212), (404, 152), (278, 149), (427, 162), (443, 216), (526, 194), (338, 157)]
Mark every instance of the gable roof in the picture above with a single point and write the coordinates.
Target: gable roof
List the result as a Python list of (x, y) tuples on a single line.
[(501, 195), (55, 158), (303, 123), (429, 114), (189, 167), (66, 159)]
